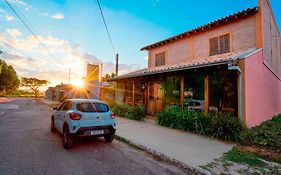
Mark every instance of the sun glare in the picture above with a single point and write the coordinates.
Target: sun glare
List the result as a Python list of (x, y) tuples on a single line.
[(78, 83)]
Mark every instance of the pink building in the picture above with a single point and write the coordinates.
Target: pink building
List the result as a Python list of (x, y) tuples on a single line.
[(230, 65)]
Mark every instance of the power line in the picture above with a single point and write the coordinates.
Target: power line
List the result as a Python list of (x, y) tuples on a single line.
[(110, 40)]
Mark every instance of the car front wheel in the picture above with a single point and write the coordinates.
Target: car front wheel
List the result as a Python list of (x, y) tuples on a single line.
[(66, 140), (109, 138)]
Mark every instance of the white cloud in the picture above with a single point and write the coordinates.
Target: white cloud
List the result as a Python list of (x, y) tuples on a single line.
[(2, 11), (9, 18), (58, 16), (20, 2), (14, 32), (54, 62)]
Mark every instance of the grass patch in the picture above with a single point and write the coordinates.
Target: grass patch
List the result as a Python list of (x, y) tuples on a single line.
[(266, 136), (237, 156)]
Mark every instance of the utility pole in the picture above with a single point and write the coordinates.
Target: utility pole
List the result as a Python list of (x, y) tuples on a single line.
[(69, 73), (116, 71)]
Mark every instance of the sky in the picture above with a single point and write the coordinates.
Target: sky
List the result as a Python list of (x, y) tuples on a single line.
[(73, 33)]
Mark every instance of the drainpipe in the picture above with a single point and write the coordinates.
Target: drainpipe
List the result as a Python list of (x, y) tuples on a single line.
[(231, 66)]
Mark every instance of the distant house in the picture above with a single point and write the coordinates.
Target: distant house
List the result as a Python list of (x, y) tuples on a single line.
[(90, 89), (230, 65), (65, 91)]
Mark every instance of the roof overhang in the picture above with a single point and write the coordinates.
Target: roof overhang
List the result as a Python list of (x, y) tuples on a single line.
[(203, 63)]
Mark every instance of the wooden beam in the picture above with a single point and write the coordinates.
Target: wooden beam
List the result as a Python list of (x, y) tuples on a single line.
[(206, 94), (182, 93), (124, 90), (134, 89), (259, 29)]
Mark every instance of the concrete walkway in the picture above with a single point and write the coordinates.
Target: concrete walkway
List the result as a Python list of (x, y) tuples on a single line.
[(190, 149)]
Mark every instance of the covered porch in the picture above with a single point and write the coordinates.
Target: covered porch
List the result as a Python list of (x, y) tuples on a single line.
[(208, 89), (214, 84)]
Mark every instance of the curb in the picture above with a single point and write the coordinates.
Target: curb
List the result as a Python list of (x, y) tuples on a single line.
[(161, 156)]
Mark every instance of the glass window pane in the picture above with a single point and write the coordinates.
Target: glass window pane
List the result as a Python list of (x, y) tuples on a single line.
[(172, 96), (194, 92), (223, 92)]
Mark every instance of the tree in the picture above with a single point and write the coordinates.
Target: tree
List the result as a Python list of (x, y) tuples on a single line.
[(9, 80), (33, 84), (108, 76)]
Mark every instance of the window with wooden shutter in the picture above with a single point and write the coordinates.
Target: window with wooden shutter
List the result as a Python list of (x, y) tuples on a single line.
[(160, 59), (220, 44)]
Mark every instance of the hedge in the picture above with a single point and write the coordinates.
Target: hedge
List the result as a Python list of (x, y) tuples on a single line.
[(127, 111), (222, 126)]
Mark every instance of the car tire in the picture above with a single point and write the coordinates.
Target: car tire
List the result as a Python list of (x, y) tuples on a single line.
[(67, 140), (109, 138), (52, 128)]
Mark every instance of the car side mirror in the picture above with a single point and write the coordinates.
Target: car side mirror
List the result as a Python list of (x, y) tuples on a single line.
[(55, 108)]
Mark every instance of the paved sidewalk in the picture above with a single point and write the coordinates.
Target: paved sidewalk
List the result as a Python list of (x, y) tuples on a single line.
[(190, 149)]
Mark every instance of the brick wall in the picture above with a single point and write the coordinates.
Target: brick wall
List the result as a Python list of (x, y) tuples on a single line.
[(243, 35), (271, 39)]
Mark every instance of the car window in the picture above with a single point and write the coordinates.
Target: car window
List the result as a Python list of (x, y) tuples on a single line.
[(102, 107), (61, 106), (92, 107), (67, 106)]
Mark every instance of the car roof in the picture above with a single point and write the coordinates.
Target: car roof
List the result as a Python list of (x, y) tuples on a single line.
[(79, 100)]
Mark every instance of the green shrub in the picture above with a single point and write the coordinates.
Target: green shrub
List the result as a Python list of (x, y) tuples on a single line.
[(223, 126), (136, 112), (267, 135), (126, 111), (226, 127)]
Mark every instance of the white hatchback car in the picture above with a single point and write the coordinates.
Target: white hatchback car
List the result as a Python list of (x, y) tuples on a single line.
[(83, 117)]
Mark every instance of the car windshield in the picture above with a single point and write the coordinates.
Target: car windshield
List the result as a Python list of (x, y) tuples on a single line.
[(92, 107)]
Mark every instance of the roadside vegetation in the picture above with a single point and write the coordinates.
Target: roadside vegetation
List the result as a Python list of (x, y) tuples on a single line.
[(237, 161), (22, 93), (127, 111), (9, 81), (265, 136), (33, 84), (258, 151), (222, 126)]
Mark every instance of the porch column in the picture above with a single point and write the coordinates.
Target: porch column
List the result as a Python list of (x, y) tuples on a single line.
[(133, 92), (182, 93), (206, 94), (124, 90)]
